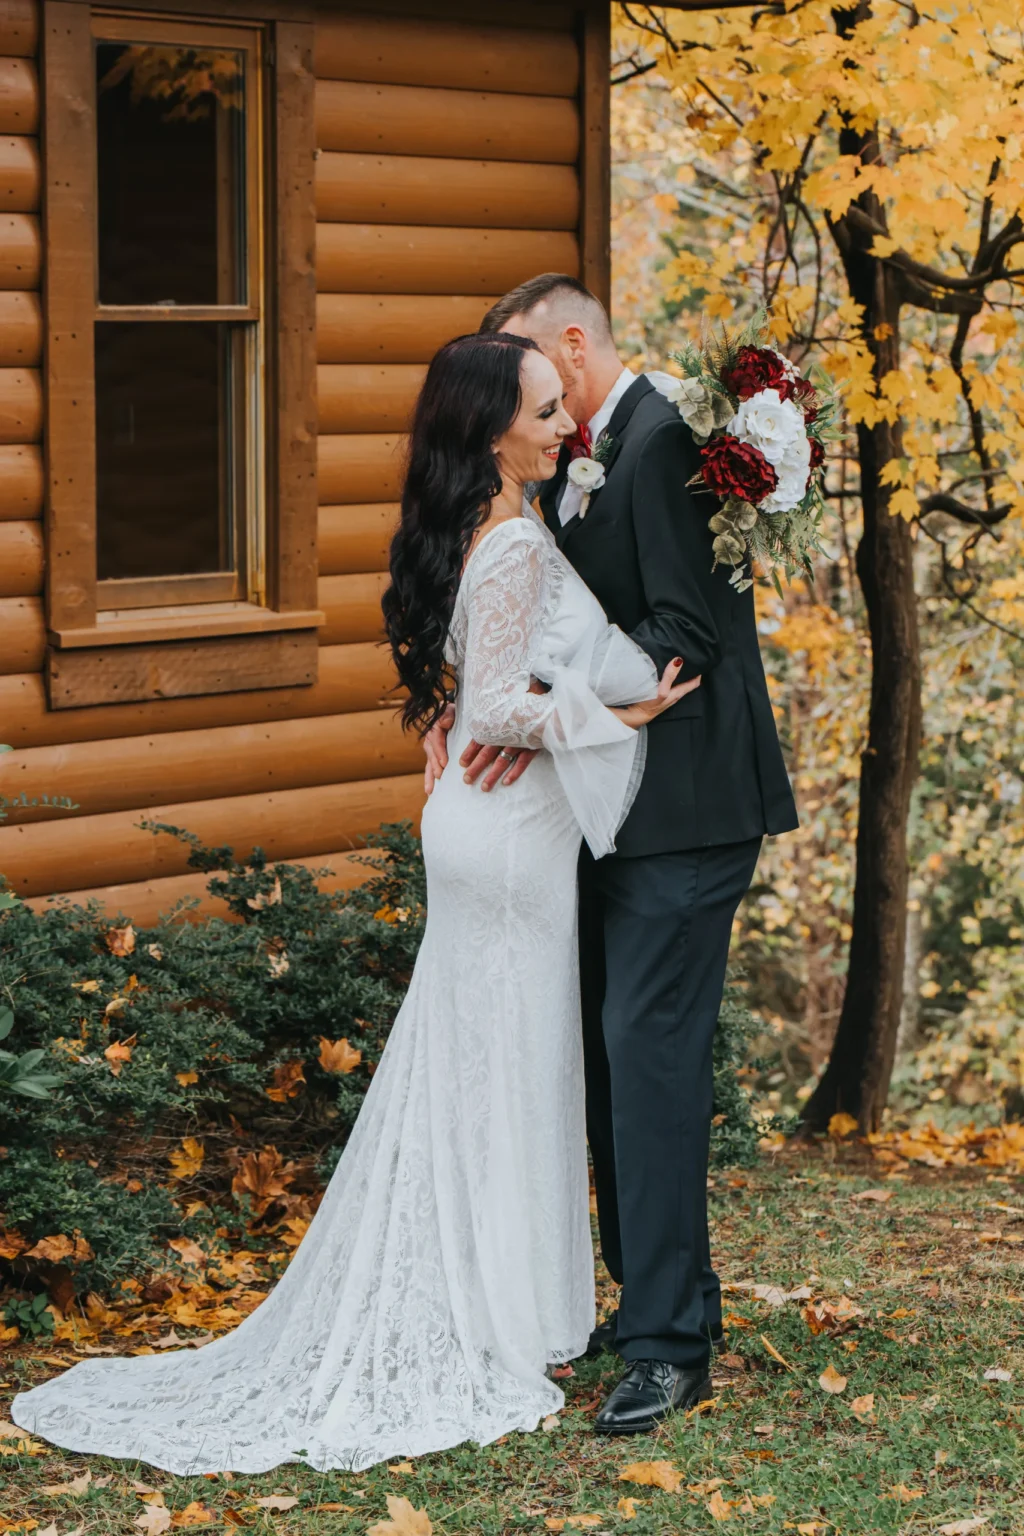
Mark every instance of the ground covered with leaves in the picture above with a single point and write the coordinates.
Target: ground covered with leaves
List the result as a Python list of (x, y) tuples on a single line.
[(873, 1384)]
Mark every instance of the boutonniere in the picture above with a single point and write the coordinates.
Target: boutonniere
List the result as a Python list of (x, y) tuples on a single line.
[(605, 449), (588, 475)]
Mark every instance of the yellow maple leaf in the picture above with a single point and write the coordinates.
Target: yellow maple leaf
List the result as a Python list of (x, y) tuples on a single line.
[(186, 1079), (718, 1507), (904, 1495), (195, 1513), (627, 1508), (187, 1159), (338, 1055), (404, 1521), (117, 1053), (841, 1125), (653, 1474)]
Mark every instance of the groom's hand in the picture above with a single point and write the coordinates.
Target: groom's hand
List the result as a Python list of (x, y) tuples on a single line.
[(435, 745), (495, 763)]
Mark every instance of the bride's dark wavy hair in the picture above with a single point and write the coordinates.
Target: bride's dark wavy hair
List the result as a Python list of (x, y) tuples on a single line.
[(470, 398)]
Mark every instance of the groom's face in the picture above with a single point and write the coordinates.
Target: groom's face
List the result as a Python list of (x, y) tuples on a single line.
[(566, 348)]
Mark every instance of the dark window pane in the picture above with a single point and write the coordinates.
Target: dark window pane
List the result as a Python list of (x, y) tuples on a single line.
[(164, 424), (170, 174)]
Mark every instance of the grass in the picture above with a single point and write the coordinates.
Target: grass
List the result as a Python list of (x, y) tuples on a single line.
[(937, 1277)]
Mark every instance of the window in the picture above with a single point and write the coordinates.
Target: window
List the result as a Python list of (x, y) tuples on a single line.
[(168, 141)]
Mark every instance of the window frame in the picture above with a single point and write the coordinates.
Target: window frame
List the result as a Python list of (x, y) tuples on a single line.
[(277, 590)]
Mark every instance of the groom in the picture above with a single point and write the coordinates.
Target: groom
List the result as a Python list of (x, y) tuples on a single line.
[(655, 918)]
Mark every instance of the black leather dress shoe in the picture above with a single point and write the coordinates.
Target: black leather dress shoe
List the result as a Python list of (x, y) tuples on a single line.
[(648, 1393), (602, 1340)]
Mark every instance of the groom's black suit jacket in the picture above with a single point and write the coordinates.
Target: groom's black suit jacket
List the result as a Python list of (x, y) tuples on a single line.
[(714, 770)]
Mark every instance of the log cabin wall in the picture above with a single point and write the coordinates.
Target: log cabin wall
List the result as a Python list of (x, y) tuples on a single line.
[(448, 170)]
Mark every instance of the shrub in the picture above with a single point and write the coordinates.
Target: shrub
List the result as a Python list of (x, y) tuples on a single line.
[(236, 1036)]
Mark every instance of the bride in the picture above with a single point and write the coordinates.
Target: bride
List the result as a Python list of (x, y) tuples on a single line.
[(450, 1261)]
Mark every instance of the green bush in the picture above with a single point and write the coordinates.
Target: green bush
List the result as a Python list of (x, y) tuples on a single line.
[(214, 1030)]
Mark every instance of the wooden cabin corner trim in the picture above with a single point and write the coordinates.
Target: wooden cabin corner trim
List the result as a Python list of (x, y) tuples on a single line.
[(292, 564), (595, 149), (142, 616), (69, 287)]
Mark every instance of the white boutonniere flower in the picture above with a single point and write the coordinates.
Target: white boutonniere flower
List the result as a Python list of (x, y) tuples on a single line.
[(589, 476)]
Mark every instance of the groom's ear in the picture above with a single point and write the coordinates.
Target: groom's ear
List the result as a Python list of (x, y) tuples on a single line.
[(574, 341)]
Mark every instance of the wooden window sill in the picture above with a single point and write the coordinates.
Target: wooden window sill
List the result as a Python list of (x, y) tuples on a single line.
[(195, 621)]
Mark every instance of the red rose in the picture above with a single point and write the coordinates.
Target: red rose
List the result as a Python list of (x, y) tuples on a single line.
[(732, 468), (817, 453), (757, 368)]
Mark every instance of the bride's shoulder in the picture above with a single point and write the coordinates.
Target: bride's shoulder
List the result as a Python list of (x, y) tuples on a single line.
[(514, 538)]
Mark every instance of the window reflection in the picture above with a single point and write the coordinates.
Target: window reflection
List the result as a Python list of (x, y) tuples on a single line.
[(171, 174)]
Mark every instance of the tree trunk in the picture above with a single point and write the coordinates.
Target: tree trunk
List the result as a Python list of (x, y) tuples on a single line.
[(856, 1079)]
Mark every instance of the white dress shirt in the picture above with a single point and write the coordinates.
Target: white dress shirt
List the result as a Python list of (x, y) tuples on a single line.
[(572, 495)]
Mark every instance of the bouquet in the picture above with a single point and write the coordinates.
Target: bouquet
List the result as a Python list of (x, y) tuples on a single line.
[(762, 427)]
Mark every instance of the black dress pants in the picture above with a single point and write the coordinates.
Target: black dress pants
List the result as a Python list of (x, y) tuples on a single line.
[(654, 941)]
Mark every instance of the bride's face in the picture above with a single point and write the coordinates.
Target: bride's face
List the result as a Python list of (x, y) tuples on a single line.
[(529, 449)]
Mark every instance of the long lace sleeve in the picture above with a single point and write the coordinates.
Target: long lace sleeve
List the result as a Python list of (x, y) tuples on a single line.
[(505, 612), (598, 759)]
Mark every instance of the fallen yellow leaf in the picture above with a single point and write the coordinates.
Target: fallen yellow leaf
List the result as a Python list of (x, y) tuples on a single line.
[(627, 1508), (701, 1490), (338, 1055), (404, 1521), (904, 1495), (718, 1508), (653, 1474), (842, 1125), (154, 1520), (187, 1159), (76, 1486), (277, 1501), (770, 1347), (193, 1514), (186, 1079), (831, 1381), (863, 1408), (402, 1466)]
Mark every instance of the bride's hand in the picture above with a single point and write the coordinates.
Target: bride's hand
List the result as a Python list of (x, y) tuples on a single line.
[(669, 693)]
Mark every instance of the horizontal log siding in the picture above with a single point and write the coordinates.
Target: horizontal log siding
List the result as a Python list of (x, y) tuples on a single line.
[(201, 765), (38, 858), (351, 678), (22, 635)]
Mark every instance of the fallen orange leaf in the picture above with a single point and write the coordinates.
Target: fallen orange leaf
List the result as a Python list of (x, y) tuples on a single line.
[(193, 1514), (653, 1474), (288, 1081), (121, 941), (338, 1055)]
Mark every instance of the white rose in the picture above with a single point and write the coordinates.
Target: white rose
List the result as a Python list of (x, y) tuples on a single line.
[(588, 474), (769, 424), (792, 472)]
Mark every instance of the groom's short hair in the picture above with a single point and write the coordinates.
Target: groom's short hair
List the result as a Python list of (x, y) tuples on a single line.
[(566, 297)]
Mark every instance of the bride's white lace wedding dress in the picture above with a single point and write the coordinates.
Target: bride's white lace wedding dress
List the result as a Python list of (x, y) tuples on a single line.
[(450, 1260)]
